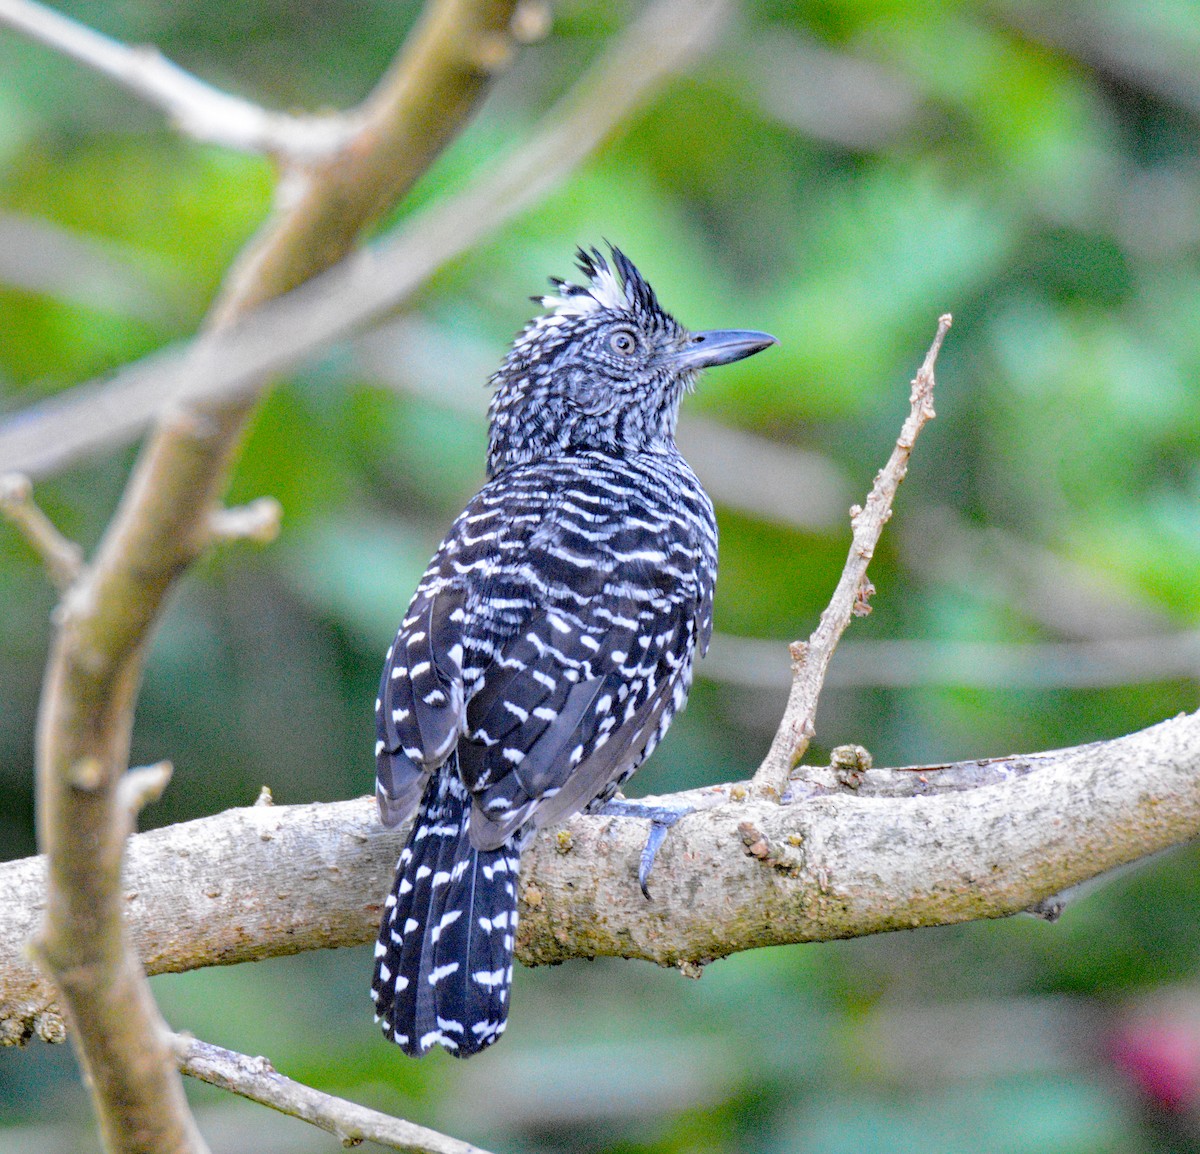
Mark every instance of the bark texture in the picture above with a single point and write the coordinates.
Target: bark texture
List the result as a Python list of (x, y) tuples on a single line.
[(854, 853)]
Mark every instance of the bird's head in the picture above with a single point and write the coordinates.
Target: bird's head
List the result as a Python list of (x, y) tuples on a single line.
[(604, 368)]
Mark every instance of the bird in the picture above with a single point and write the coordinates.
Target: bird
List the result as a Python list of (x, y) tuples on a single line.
[(549, 643)]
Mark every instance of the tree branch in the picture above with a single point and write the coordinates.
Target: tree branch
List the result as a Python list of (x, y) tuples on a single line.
[(350, 1123), (42, 257), (195, 108), (851, 597), (164, 522), (63, 559), (900, 849), (905, 663), (231, 364)]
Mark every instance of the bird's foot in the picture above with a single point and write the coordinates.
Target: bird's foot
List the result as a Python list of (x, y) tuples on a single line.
[(661, 818)]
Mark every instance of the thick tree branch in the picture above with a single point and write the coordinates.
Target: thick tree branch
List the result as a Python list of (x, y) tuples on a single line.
[(901, 849), (811, 659), (164, 522), (350, 1123)]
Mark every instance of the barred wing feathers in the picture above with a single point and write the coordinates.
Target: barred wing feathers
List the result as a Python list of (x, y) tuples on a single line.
[(418, 714), (562, 599), (565, 716)]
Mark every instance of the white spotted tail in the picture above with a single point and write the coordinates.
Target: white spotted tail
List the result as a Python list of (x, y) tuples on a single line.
[(444, 958)]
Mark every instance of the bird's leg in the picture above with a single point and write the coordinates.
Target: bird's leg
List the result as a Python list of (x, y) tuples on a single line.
[(661, 818)]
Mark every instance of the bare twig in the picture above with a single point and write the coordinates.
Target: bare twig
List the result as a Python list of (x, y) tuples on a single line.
[(258, 522), (350, 1123), (63, 559), (232, 364), (141, 786), (899, 850), (201, 111), (851, 597)]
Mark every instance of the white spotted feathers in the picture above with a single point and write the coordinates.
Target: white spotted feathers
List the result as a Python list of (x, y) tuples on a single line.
[(549, 643)]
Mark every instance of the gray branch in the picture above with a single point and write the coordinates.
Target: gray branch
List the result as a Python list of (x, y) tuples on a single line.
[(197, 109), (350, 1123), (851, 597), (894, 850)]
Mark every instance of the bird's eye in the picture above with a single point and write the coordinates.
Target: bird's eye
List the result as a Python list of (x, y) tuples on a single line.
[(623, 342)]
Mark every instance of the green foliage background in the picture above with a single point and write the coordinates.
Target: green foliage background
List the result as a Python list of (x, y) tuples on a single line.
[(838, 172)]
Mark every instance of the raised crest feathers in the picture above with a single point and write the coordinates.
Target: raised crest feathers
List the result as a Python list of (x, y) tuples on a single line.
[(613, 284)]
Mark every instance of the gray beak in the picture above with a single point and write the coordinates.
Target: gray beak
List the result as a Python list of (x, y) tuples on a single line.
[(721, 347)]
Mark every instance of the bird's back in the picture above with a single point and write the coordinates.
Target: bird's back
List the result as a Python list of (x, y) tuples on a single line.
[(582, 589)]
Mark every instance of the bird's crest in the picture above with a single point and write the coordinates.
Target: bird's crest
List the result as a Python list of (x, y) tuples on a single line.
[(617, 285)]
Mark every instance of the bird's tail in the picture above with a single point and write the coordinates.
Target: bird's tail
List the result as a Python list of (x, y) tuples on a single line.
[(443, 962)]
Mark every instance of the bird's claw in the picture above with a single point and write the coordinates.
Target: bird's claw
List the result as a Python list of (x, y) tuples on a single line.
[(661, 818)]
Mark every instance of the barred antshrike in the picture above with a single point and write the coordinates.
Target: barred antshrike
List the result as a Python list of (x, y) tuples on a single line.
[(549, 643)]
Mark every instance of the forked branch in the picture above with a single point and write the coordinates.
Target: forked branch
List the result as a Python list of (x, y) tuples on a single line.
[(63, 558), (165, 521), (228, 366), (170, 511)]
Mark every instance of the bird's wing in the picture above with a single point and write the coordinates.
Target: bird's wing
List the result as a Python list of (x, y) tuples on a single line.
[(568, 708), (419, 714), (469, 603)]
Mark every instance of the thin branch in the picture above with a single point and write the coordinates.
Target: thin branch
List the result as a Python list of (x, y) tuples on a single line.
[(898, 850), (757, 663), (195, 108), (39, 256), (350, 1123), (667, 38), (63, 558), (851, 597)]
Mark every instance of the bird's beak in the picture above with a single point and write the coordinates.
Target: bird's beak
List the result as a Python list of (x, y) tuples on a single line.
[(721, 347)]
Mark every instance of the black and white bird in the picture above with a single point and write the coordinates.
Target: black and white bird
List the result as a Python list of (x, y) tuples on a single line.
[(550, 642)]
